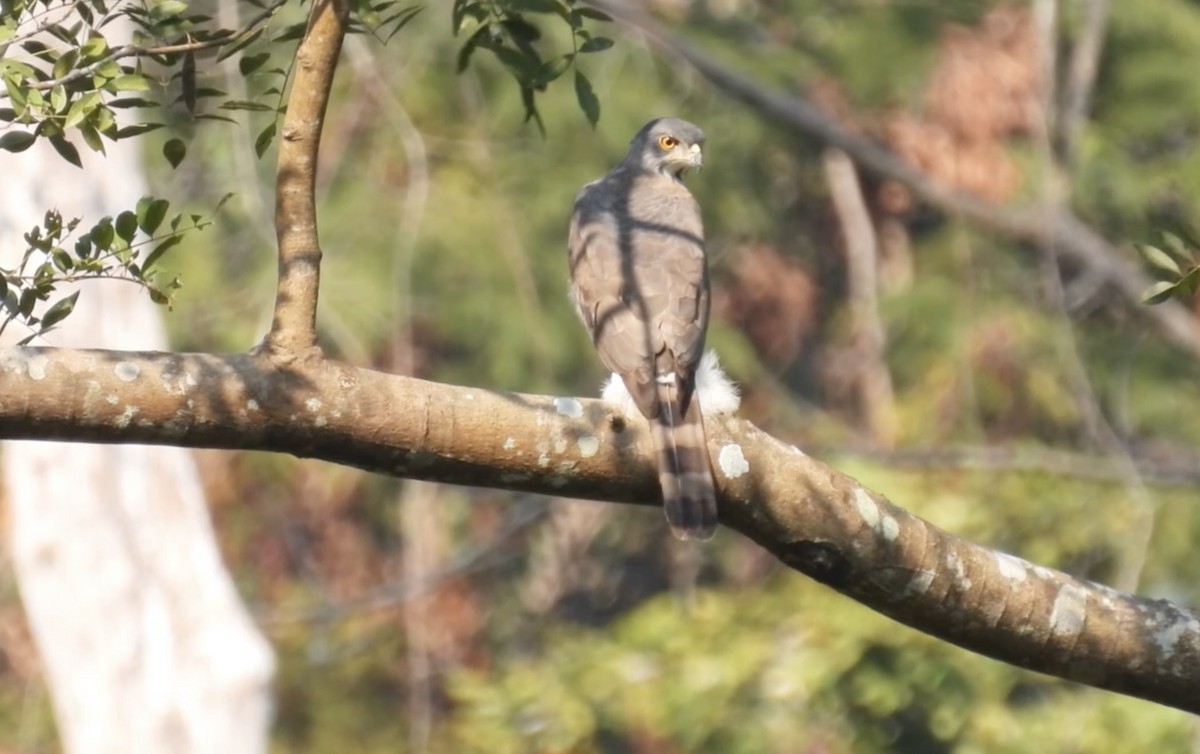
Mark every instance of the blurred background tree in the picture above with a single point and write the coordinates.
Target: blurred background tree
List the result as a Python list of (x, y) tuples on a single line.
[(424, 618)]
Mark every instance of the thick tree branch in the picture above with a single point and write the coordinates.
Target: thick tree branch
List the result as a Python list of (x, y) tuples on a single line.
[(293, 329), (811, 517), (1045, 228)]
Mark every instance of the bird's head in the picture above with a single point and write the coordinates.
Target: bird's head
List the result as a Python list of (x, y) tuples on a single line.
[(668, 146)]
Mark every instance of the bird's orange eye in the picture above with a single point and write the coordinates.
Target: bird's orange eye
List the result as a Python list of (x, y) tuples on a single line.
[(667, 142)]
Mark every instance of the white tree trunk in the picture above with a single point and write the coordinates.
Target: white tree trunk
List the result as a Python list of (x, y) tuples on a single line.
[(145, 643)]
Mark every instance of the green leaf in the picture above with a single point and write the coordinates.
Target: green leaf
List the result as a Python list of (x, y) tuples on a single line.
[(137, 130), (251, 63), (263, 142), (1160, 259), (91, 137), (1189, 282), (167, 9), (66, 150), (1158, 293), (126, 226), (59, 311), (468, 48), (122, 102), (235, 104), (174, 150), (524, 66), (187, 81), (62, 260), (102, 234), (150, 213), (82, 108), (153, 257), (65, 62), (586, 12), (241, 43), (586, 96), (58, 98), (289, 33), (95, 48), (129, 82), (596, 44), (552, 69), (406, 15), (1176, 246), (17, 141)]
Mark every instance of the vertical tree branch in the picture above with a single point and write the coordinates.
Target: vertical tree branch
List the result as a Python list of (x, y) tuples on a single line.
[(876, 398), (293, 328), (1077, 89)]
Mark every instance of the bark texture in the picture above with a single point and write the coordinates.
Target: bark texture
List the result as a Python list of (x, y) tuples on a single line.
[(813, 518)]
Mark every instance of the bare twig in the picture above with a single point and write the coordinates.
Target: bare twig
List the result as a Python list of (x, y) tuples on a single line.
[(293, 328)]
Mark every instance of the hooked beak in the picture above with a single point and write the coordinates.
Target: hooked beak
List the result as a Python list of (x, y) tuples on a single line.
[(697, 157)]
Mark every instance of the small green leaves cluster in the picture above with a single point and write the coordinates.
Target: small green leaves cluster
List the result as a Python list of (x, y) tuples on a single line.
[(503, 28), (61, 74), (1179, 261), (127, 247), (382, 19)]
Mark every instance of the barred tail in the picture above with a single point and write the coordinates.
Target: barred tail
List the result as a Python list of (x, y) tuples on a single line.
[(684, 471)]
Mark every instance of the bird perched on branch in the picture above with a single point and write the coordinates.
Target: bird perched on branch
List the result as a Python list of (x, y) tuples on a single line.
[(639, 278)]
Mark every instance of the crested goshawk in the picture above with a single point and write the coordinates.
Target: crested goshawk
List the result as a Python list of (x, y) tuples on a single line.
[(639, 277)]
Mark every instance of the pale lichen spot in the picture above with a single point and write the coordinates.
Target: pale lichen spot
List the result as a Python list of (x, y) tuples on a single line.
[(1013, 569), (732, 461), (919, 583), (568, 407), (126, 371), (867, 508), (111, 399), (1167, 639), (1043, 572), (126, 417), (544, 460), (889, 528), (251, 405), (35, 367), (1069, 611), (510, 443), (320, 421), (955, 564), (588, 446), (313, 404), (468, 396)]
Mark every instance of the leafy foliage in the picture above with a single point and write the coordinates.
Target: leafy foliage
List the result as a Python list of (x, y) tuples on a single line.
[(504, 29), (1176, 259), (127, 247)]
